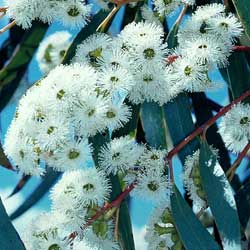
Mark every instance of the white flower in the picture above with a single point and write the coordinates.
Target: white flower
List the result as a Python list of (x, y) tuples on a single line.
[(234, 127), (52, 50), (83, 187), (226, 26), (151, 85), (45, 232), (117, 115), (91, 48), (149, 15), (207, 50), (90, 112), (153, 158), (153, 185), (189, 75), (73, 154), (74, 13), (119, 155), (116, 80), (134, 34)]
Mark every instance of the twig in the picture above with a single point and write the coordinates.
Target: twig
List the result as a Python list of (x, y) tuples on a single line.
[(231, 171), (7, 27), (105, 22), (180, 17), (241, 48), (116, 234), (114, 203), (201, 129)]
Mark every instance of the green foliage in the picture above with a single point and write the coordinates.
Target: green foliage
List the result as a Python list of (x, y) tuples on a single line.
[(192, 233), (14, 70), (219, 196), (243, 9), (8, 237), (153, 123)]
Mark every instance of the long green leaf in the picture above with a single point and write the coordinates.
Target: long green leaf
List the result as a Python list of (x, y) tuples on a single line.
[(180, 123), (192, 233), (9, 238), (220, 197), (14, 70), (48, 181), (237, 74), (243, 9), (242, 198), (153, 123)]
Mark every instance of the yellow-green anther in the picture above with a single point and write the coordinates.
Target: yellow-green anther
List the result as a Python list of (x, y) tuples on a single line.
[(154, 157), (73, 154), (54, 247), (91, 112), (147, 78), (88, 186), (202, 46), (95, 53), (244, 120), (62, 53), (153, 186), (110, 114), (114, 79), (50, 130), (21, 153), (187, 70), (149, 53), (115, 155), (60, 94), (47, 56), (74, 11)]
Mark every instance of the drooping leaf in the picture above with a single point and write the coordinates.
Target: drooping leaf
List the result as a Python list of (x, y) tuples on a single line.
[(192, 233), (237, 74), (47, 182), (9, 238), (243, 9), (14, 70), (242, 198), (21, 183), (153, 123), (220, 197), (180, 123)]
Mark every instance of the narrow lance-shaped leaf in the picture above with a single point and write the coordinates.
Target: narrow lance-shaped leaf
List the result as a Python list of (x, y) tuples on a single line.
[(192, 233), (153, 123), (220, 198), (242, 198), (48, 181), (243, 9), (21, 183), (9, 238)]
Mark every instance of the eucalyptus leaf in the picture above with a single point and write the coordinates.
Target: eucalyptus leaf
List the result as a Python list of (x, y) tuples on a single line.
[(192, 233), (219, 197)]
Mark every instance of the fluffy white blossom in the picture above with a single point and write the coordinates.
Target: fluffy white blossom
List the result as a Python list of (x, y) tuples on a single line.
[(120, 155), (234, 127), (72, 13), (52, 50)]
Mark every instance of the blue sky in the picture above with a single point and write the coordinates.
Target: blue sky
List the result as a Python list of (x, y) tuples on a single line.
[(140, 209)]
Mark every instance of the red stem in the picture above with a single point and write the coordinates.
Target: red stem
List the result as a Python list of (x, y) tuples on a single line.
[(241, 48), (114, 203), (200, 130)]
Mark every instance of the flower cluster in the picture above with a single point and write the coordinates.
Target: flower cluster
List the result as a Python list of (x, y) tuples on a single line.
[(205, 41), (55, 117), (137, 163), (234, 127), (52, 50), (71, 13)]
